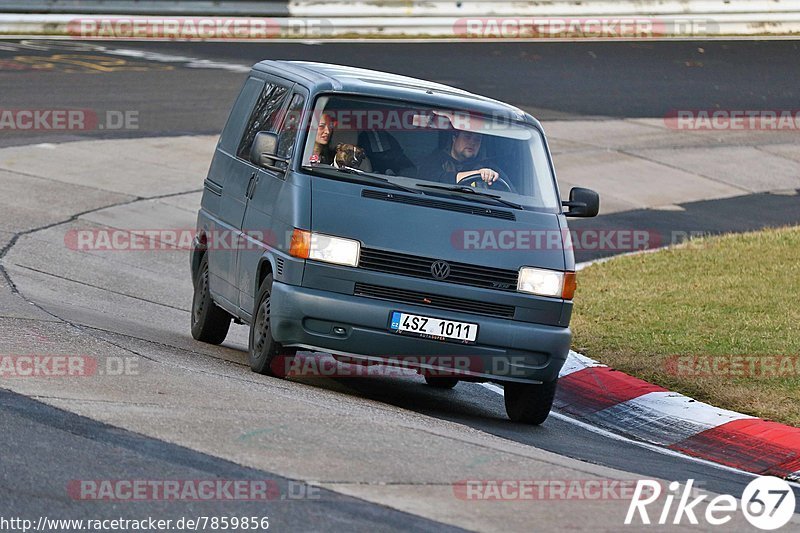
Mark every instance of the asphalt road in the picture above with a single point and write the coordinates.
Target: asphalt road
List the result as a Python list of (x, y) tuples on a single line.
[(53, 449), (552, 80), (632, 79), (170, 98), (187, 88)]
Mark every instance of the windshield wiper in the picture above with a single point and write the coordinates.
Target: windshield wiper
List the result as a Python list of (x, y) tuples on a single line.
[(471, 190), (345, 173)]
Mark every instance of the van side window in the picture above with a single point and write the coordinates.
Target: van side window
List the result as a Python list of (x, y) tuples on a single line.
[(288, 134), (232, 133), (265, 117)]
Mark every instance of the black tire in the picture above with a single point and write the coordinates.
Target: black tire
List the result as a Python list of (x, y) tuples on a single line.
[(266, 355), (529, 403), (210, 323), (439, 382)]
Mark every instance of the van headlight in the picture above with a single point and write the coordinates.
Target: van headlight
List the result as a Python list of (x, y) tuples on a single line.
[(327, 248), (541, 282)]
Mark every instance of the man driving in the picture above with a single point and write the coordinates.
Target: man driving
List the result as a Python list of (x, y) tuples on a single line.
[(460, 160)]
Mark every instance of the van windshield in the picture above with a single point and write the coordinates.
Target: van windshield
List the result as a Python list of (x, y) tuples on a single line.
[(435, 150)]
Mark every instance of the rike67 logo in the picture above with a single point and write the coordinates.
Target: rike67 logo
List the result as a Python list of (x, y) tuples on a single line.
[(768, 503)]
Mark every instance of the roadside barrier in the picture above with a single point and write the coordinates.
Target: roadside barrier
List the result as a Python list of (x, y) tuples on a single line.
[(467, 19)]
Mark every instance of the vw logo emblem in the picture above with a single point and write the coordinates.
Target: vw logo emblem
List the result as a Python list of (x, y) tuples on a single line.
[(440, 269)]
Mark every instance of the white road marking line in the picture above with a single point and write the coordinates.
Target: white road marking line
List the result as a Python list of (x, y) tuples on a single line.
[(577, 361), (676, 405), (159, 57), (662, 418)]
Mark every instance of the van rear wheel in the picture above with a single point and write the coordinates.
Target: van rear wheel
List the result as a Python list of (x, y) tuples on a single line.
[(266, 355), (209, 323), (529, 403)]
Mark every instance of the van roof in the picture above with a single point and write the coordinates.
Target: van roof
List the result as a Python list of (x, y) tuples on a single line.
[(325, 77)]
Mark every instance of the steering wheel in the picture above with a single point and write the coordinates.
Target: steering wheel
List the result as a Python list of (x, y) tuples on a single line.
[(477, 180)]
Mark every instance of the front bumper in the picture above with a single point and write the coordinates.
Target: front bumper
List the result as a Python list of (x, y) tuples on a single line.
[(506, 350)]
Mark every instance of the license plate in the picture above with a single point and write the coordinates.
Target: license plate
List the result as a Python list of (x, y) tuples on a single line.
[(435, 328)]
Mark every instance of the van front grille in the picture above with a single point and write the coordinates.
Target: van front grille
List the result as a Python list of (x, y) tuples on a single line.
[(420, 267), (461, 305)]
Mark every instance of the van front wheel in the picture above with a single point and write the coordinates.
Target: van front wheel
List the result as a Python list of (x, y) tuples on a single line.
[(209, 323), (529, 403), (267, 356)]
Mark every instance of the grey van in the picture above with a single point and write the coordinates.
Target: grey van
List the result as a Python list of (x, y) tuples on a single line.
[(385, 219)]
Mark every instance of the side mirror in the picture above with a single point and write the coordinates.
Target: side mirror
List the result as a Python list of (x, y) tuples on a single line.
[(264, 149), (582, 203)]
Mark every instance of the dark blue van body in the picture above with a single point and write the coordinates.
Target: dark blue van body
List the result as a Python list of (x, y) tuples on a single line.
[(253, 214)]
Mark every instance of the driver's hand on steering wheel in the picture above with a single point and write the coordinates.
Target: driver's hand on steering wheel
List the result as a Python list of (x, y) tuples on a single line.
[(487, 174)]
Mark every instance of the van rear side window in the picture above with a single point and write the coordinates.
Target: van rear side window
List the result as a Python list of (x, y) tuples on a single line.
[(235, 126), (265, 117)]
